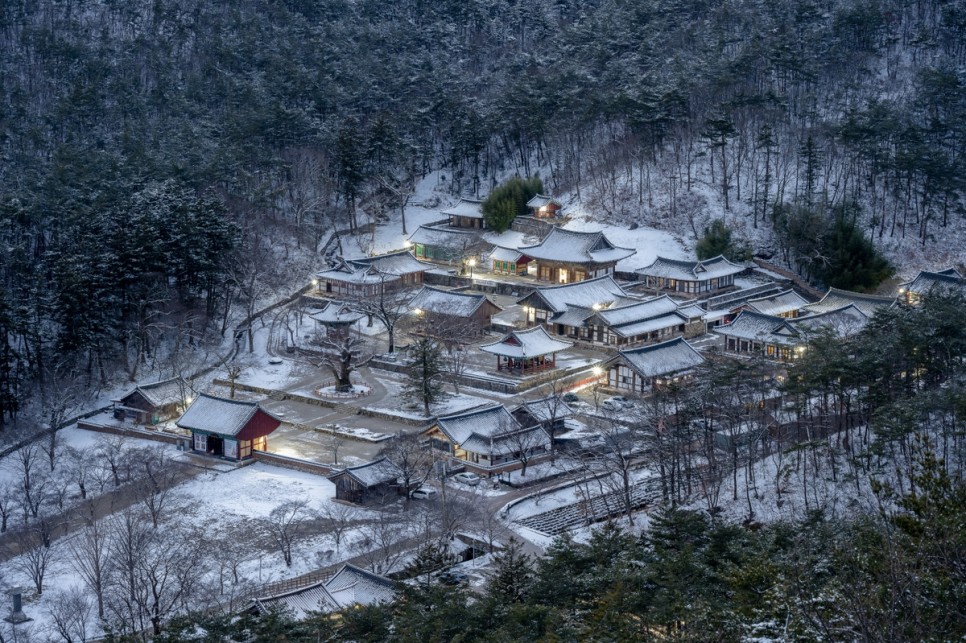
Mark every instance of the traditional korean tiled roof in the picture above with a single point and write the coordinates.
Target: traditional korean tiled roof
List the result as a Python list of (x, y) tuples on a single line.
[(752, 325), (654, 307), (639, 318), (471, 208), (387, 267), (650, 325), (546, 407), (301, 602), (170, 391), (845, 321), (540, 200), (445, 236), (944, 279), (661, 359), (505, 254), (349, 587), (602, 290), (400, 262), (573, 246), (486, 422), (369, 474), (218, 415), (835, 299), (778, 304), (448, 302), (337, 312), (503, 444), (691, 270), (352, 585), (533, 342)]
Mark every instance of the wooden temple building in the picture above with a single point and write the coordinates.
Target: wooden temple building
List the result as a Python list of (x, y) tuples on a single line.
[(526, 351), (566, 256), (542, 206), (230, 429)]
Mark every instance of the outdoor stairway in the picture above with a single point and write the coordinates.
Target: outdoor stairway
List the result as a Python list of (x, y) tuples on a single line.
[(586, 512)]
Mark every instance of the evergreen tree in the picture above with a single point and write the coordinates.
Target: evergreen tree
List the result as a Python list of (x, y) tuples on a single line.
[(509, 200), (717, 240), (850, 261), (424, 376)]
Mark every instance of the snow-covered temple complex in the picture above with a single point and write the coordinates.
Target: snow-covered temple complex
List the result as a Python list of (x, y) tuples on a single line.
[(640, 370)]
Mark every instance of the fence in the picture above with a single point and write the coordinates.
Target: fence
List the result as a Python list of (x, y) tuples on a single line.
[(305, 466)]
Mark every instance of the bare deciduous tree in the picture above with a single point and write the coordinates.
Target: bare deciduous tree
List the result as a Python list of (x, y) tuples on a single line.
[(70, 614), (35, 558), (89, 557), (284, 526), (340, 517), (410, 460)]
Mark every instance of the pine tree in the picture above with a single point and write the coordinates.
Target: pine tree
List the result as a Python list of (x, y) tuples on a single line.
[(424, 378)]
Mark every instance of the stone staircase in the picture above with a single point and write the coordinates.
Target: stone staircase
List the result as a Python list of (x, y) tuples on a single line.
[(587, 512)]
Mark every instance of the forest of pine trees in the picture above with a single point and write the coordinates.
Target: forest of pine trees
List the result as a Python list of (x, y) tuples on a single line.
[(286, 120)]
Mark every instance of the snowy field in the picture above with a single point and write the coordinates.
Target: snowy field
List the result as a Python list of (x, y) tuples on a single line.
[(224, 507)]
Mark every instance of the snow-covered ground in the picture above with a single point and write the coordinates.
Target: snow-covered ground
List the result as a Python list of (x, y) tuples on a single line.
[(225, 506)]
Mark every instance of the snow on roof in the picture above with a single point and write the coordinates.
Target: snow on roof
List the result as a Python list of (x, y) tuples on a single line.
[(486, 422), (541, 200), (533, 342), (448, 302), (369, 474), (573, 246), (602, 290), (662, 359), (401, 262), (505, 254), (301, 602), (352, 585), (926, 281), (752, 325), (547, 408), (509, 238), (507, 443), (835, 299), (749, 324), (637, 311), (844, 321), (471, 208), (217, 415), (691, 270), (648, 325), (162, 393), (691, 311), (445, 236), (732, 299), (574, 316), (337, 312), (778, 304)]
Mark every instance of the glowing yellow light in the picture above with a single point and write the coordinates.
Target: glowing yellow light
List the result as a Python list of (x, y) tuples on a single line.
[(417, 311), (598, 371), (407, 243), (315, 282), (471, 263), (597, 306)]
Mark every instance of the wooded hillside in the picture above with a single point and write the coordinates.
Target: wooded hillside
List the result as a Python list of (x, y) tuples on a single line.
[(150, 150)]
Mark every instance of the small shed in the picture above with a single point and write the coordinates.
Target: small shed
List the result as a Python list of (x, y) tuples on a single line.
[(468, 213), (370, 482), (230, 429), (154, 403), (542, 206), (526, 350), (509, 261)]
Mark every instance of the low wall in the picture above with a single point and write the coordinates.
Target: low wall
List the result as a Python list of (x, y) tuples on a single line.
[(167, 438), (292, 463)]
